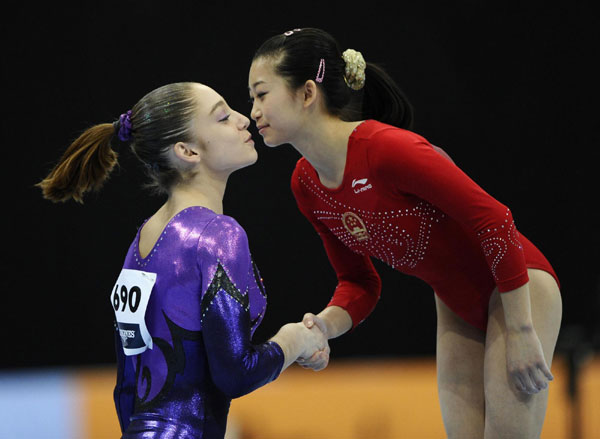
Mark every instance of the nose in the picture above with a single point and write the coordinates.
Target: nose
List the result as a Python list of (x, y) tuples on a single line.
[(255, 112), (243, 121)]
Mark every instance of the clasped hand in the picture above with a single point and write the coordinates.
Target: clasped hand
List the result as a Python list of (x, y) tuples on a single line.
[(316, 359)]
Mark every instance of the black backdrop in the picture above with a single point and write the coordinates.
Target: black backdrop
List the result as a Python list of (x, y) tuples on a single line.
[(510, 92)]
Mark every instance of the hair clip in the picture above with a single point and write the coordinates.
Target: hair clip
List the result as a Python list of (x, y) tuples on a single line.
[(321, 72), (290, 32)]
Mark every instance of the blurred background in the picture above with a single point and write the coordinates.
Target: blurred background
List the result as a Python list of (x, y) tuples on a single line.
[(509, 91)]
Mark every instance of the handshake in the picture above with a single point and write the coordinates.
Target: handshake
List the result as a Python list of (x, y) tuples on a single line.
[(305, 342)]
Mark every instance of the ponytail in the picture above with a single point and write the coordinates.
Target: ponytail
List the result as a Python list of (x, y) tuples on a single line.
[(84, 166), (154, 124), (383, 99)]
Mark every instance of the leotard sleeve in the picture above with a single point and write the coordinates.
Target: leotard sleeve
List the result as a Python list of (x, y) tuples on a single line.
[(359, 286), (410, 165), (237, 366)]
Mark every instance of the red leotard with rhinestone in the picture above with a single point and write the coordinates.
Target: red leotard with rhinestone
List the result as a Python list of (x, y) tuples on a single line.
[(405, 202)]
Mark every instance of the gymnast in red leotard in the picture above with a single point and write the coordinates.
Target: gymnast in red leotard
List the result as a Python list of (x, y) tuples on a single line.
[(373, 188), (405, 202)]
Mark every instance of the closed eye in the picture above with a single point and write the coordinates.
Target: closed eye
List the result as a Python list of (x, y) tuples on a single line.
[(224, 118)]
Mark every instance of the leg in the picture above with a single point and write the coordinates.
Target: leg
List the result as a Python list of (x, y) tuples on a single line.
[(510, 413), (459, 356)]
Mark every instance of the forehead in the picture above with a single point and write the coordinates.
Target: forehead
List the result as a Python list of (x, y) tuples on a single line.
[(262, 70), (207, 98)]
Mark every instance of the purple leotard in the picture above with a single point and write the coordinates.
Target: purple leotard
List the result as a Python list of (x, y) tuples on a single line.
[(207, 302)]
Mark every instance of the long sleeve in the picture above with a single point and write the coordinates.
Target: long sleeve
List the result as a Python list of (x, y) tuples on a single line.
[(359, 286), (409, 165), (237, 365)]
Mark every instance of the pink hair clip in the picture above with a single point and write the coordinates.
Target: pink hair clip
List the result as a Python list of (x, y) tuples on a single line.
[(321, 72)]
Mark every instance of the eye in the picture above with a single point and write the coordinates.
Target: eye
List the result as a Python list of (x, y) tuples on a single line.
[(258, 95), (225, 118)]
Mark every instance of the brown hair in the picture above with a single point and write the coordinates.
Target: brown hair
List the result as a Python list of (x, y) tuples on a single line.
[(158, 121), (84, 166)]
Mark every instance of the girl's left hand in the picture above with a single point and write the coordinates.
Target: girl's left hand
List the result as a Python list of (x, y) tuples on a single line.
[(525, 360)]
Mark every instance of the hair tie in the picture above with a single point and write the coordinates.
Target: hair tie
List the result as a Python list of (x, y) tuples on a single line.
[(355, 69), (124, 125)]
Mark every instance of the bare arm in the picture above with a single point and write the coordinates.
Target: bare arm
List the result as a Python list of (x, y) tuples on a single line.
[(517, 309), (336, 321)]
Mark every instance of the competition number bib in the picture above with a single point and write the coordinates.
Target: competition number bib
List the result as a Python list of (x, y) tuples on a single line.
[(129, 299)]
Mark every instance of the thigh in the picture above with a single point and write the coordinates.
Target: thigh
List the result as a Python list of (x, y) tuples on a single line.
[(510, 413), (459, 356)]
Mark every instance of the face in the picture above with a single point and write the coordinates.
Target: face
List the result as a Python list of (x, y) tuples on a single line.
[(275, 108), (224, 139)]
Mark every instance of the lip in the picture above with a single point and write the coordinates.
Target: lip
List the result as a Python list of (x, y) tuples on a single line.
[(262, 127), (249, 139)]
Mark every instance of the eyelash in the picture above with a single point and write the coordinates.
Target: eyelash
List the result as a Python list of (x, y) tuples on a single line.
[(225, 118), (259, 96)]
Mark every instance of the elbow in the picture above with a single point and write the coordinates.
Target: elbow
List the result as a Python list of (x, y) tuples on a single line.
[(371, 284), (240, 377), (233, 388)]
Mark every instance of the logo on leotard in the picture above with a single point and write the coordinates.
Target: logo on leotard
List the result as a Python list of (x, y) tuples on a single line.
[(355, 225), (364, 184)]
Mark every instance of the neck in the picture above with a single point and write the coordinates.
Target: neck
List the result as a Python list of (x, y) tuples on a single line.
[(201, 191), (324, 143)]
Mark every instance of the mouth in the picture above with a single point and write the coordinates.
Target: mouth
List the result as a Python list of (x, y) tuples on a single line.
[(261, 128)]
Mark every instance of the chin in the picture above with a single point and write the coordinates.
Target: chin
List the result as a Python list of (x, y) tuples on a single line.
[(252, 159), (272, 143)]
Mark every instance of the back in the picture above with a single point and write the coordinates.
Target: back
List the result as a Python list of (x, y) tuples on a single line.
[(168, 363)]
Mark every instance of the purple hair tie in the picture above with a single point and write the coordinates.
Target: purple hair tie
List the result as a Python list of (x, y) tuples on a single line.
[(125, 126)]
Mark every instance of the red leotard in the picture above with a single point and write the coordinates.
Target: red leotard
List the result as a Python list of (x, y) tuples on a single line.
[(406, 203)]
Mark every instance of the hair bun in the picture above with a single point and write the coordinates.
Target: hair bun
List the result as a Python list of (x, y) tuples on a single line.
[(355, 69)]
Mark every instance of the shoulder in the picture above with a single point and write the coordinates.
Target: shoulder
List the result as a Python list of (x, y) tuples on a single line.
[(198, 221), (225, 230), (387, 145), (378, 134), (224, 239)]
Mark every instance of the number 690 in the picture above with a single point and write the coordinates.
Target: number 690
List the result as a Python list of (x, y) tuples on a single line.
[(125, 297)]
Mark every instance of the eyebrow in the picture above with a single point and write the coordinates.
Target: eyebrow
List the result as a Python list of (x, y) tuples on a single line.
[(256, 83), (212, 110)]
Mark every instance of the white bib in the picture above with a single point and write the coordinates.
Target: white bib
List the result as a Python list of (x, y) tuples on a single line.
[(129, 299)]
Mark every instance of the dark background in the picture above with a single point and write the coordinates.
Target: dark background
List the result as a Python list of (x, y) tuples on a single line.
[(509, 91)]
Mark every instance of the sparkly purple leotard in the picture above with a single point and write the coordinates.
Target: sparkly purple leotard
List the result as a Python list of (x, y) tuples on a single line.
[(206, 303)]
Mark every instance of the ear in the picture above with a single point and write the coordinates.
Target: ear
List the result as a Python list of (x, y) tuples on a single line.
[(187, 152), (310, 93)]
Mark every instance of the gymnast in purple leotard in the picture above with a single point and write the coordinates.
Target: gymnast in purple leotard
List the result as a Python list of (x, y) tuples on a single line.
[(189, 296), (207, 301)]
